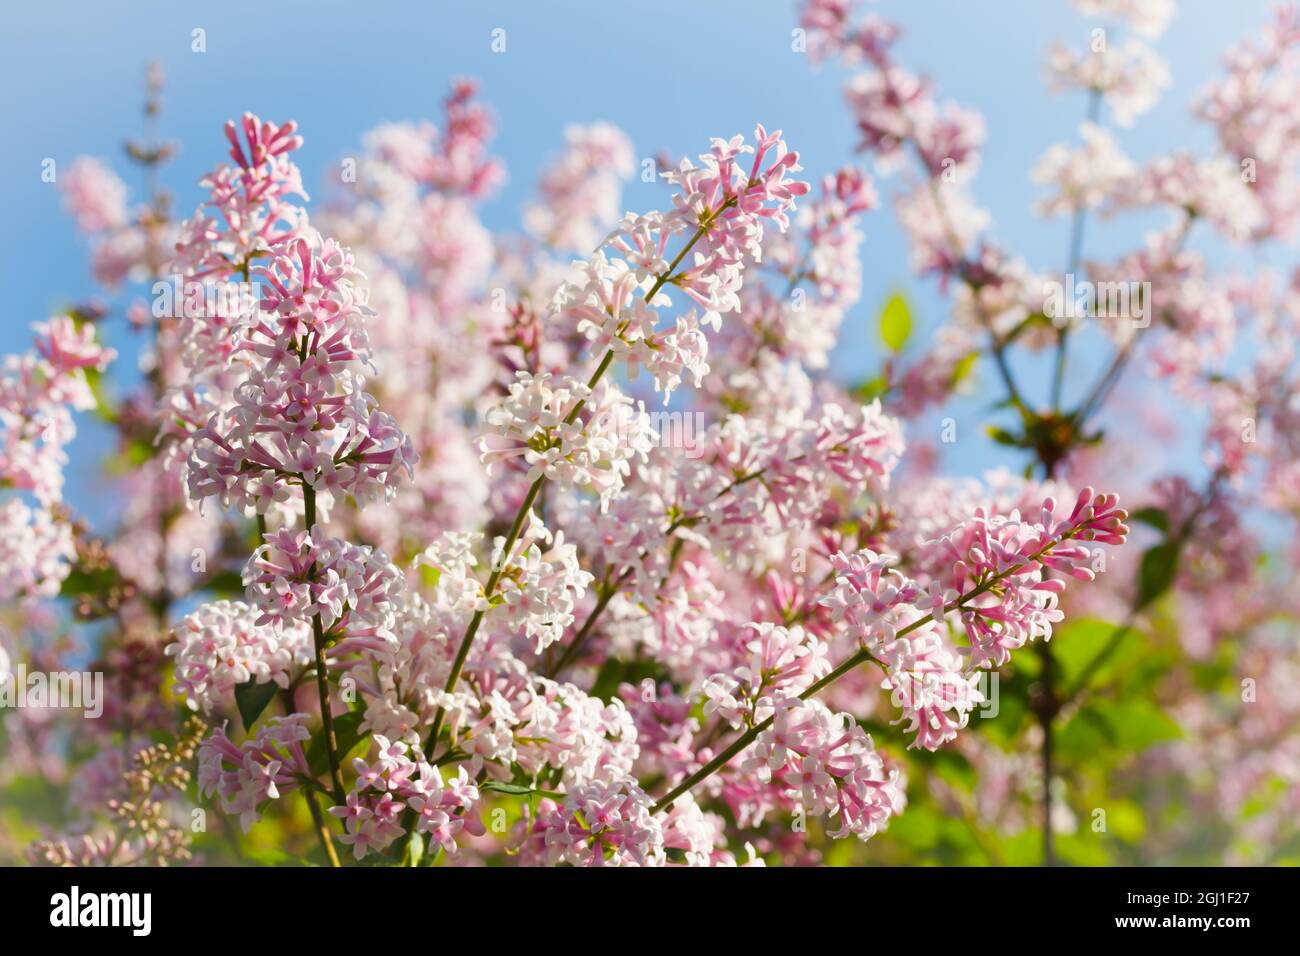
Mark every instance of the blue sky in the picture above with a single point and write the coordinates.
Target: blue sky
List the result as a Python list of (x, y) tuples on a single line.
[(672, 74)]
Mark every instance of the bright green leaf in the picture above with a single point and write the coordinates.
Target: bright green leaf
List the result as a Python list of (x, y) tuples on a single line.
[(414, 849), (1076, 644), (1114, 728), (1137, 724), (1004, 437), (518, 789), (500, 786), (1124, 819), (896, 322), (962, 370), (871, 389)]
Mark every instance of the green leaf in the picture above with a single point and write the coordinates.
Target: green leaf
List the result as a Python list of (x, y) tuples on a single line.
[(1110, 729), (613, 673), (921, 832), (871, 389), (1156, 518), (1080, 640), (896, 322), (1004, 437), (103, 404), (1137, 724), (226, 583), (414, 849), (80, 582), (962, 370), (519, 790), (347, 734), (1013, 691), (270, 856), (252, 698), (1082, 849), (132, 456), (500, 786), (1157, 573), (1019, 849), (1124, 819)]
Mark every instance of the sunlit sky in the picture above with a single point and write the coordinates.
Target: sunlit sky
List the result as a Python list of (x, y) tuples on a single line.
[(671, 74)]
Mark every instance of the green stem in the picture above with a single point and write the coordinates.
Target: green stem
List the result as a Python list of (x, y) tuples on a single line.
[(313, 805), (1047, 708), (322, 829), (462, 652), (606, 595), (322, 669)]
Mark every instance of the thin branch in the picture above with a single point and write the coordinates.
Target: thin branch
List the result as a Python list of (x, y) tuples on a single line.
[(862, 656)]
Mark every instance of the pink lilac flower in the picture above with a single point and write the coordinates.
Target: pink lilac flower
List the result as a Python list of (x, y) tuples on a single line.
[(828, 765), (221, 645), (1085, 177), (540, 582), (567, 432), (1147, 17), (354, 589), (38, 393), (720, 211), (39, 553), (247, 213), (782, 662), (602, 823), (1256, 118), (302, 411), (94, 195), (398, 779), (1016, 554), (580, 190), (245, 777), (1128, 74), (932, 686)]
